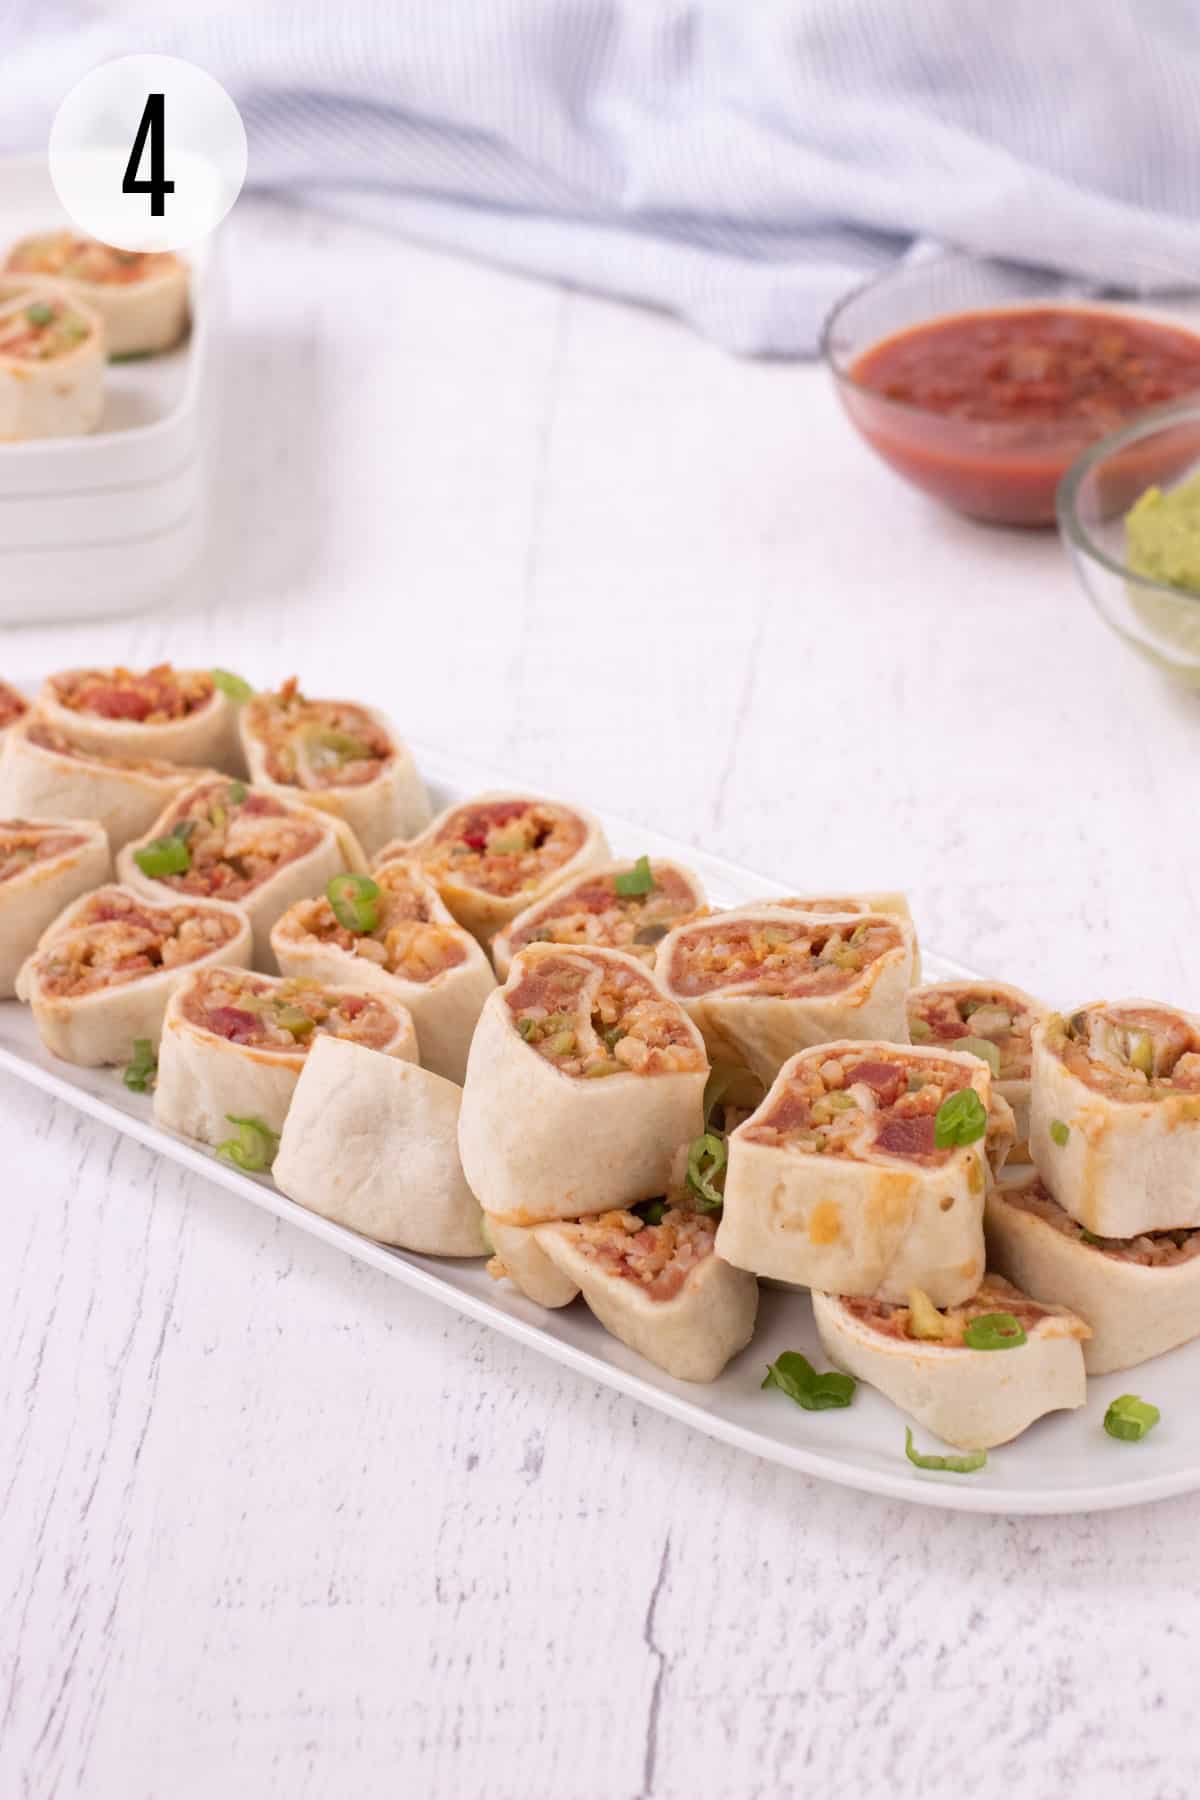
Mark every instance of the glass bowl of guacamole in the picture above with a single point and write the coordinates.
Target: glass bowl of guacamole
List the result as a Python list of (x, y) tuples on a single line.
[(1129, 514)]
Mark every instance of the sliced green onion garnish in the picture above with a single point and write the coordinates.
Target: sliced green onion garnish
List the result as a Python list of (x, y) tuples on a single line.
[(39, 313), (981, 1047), (638, 880), (164, 856), (961, 1119), (295, 1020), (920, 1031), (141, 1070), (528, 1029), (994, 1331), (707, 1157), (254, 1147), (1059, 1132), (355, 902), (795, 1376), (1130, 1417), (235, 793), (952, 1465), (232, 686), (651, 1210)]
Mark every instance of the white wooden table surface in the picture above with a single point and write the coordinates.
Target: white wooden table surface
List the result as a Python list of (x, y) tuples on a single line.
[(271, 1525)]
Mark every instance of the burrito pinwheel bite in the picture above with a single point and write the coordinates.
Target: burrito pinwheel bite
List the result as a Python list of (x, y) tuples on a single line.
[(1115, 1120), (105, 969), (44, 865), (338, 756), (392, 935), (45, 772), (1141, 1295), (864, 1172), (988, 1019), (372, 1143), (172, 715), (233, 1046), (627, 906), (492, 857), (583, 1081), (764, 982), (51, 362), (976, 1373), (142, 296), (13, 708), (222, 840)]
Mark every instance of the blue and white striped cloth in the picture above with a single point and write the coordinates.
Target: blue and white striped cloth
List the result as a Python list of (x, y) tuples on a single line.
[(737, 162)]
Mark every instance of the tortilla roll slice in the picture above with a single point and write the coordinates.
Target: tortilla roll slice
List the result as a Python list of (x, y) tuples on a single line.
[(105, 969), (142, 296), (1115, 1119), (837, 1181), (13, 708), (222, 840), (492, 857), (971, 1398), (582, 1083), (762, 983), (628, 906), (44, 772), (372, 1143), (44, 865), (51, 362), (518, 1256), (414, 951), (659, 1288), (338, 756), (167, 714), (234, 1044), (1141, 1296), (991, 1019)]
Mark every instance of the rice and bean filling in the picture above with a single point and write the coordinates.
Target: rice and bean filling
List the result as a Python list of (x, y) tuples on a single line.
[(596, 1018), (236, 839), (657, 1259), (157, 696), (284, 1015), (41, 326), (115, 940), (916, 1322), (13, 706), (785, 957), (409, 941), (1151, 1249), (851, 1106), (1133, 1053), (593, 912), (317, 744), (504, 847), (22, 845), (968, 1017), (75, 258)]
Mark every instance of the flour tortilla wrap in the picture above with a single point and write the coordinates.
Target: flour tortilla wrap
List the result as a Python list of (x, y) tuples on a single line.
[(970, 1015), (51, 362), (417, 953), (836, 1181), (45, 773), (492, 857), (563, 1121), (622, 905), (142, 296), (874, 900), (973, 1399), (1140, 1296), (44, 865), (232, 1045), (689, 1316), (1115, 1118), (13, 708), (254, 849), (372, 1143), (338, 756), (518, 1256), (90, 1000), (166, 714), (764, 982)]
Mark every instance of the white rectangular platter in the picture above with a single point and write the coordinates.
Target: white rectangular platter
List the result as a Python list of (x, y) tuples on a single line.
[(1064, 1463)]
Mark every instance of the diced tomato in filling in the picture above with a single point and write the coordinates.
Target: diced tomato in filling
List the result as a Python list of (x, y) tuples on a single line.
[(22, 845), (411, 940), (317, 744), (1152, 1249), (12, 705), (657, 1259), (906, 1137), (503, 847), (284, 1015), (885, 1080), (590, 1015), (994, 1295), (237, 839), (114, 940), (591, 911), (1130, 1053), (159, 696), (75, 258), (780, 957), (999, 1015)]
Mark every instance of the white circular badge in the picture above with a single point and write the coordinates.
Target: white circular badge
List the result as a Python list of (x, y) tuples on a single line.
[(148, 153)]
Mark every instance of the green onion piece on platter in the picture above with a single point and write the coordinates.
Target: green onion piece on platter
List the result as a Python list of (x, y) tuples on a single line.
[(950, 1465)]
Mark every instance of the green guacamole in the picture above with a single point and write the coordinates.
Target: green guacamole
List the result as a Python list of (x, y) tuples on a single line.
[(1163, 535)]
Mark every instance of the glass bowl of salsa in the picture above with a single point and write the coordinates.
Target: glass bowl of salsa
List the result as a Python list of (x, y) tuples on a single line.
[(982, 382), (1129, 514)]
